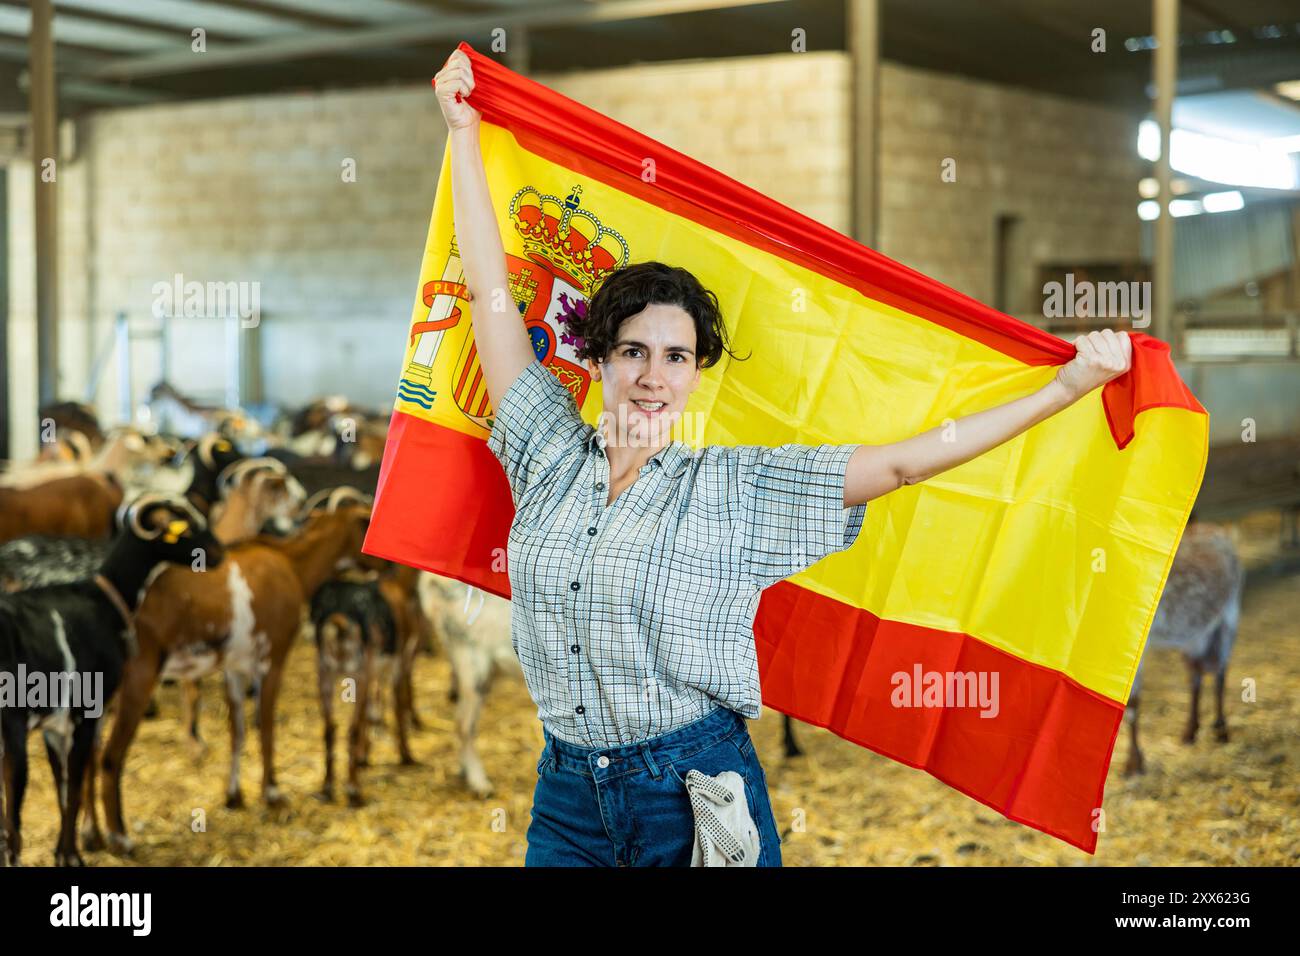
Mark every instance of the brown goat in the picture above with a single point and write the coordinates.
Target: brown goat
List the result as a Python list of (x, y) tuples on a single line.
[(254, 491), (80, 505), (243, 619)]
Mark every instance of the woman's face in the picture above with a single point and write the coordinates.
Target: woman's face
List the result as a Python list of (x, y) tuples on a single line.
[(648, 375)]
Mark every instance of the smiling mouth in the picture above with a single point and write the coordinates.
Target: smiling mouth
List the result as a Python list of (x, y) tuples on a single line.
[(649, 407)]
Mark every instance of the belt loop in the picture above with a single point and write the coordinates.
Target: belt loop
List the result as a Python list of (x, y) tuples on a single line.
[(650, 761)]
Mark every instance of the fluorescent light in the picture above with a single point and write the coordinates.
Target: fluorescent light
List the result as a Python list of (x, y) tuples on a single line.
[(1223, 202), (1148, 188), (1283, 144), (1219, 160), (1149, 210), (1149, 140)]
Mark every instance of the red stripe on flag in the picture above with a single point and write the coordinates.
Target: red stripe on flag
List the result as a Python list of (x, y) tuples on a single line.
[(442, 504), (1042, 760)]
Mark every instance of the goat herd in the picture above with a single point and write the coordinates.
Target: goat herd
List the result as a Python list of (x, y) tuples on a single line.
[(128, 558), (132, 558)]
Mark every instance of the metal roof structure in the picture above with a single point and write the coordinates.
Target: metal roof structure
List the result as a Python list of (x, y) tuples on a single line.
[(115, 52)]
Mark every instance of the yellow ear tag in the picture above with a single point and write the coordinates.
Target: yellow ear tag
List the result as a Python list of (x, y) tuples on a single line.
[(223, 445), (174, 531)]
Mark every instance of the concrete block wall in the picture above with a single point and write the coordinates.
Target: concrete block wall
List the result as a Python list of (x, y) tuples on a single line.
[(251, 190), (1068, 170)]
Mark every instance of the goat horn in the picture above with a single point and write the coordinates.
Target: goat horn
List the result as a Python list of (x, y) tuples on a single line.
[(80, 445), (238, 471), (129, 513), (200, 521), (204, 449), (342, 492), (311, 503), (332, 498)]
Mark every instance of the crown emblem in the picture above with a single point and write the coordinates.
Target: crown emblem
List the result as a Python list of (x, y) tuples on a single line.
[(567, 238)]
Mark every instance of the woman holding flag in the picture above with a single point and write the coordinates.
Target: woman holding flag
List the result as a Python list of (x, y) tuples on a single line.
[(636, 562)]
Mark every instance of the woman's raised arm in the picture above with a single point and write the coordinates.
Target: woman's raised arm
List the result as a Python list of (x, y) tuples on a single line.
[(504, 349), (875, 470)]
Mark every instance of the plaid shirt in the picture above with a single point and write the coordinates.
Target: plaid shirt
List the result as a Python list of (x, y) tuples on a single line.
[(635, 618)]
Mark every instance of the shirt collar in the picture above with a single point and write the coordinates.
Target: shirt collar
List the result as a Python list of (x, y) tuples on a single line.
[(673, 457)]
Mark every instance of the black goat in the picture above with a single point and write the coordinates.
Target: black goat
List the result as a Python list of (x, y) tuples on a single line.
[(212, 455), (37, 560), (66, 645), (356, 638)]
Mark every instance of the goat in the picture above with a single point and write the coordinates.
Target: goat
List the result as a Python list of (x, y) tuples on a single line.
[(117, 456), (332, 431), (71, 498), (77, 632), (37, 560), (184, 417), (398, 584), (368, 630), (475, 630), (72, 417), (80, 505), (243, 619), (211, 456), (1198, 613), (253, 492), (355, 630), (66, 447)]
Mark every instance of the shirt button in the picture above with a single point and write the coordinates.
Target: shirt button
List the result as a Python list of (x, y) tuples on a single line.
[(602, 761), (574, 648), (574, 586), (580, 709), (600, 486), (591, 531)]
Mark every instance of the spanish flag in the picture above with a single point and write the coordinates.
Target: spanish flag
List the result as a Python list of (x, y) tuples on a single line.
[(987, 623)]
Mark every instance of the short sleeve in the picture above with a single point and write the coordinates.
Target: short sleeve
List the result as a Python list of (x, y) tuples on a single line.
[(536, 423), (792, 508)]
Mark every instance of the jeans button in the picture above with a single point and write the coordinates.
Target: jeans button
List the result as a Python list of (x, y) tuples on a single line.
[(602, 761)]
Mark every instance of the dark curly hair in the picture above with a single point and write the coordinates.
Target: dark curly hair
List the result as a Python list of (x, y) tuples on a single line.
[(627, 291)]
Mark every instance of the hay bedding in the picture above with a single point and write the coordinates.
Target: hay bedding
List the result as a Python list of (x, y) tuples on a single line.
[(1207, 804)]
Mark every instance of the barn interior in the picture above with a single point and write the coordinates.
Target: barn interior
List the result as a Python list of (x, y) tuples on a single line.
[(212, 217)]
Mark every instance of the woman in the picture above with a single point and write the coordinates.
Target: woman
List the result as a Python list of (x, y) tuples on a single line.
[(635, 562)]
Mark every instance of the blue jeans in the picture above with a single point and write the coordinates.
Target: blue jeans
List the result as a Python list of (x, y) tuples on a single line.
[(628, 805)]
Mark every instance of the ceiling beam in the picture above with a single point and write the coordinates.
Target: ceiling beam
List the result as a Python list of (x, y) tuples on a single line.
[(15, 49), (324, 21), (318, 43), (89, 91), (1215, 18), (138, 24)]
